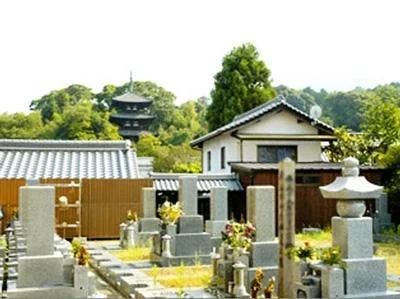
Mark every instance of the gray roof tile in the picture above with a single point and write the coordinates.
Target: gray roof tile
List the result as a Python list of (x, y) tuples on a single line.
[(33, 159), (170, 181)]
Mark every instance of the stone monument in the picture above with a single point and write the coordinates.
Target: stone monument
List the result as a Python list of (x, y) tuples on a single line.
[(218, 214), (187, 241), (365, 275), (264, 249)]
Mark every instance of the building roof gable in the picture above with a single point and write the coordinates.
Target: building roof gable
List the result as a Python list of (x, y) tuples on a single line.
[(259, 111)]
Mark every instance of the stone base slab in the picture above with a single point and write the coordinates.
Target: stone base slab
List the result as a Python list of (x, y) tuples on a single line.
[(149, 225), (43, 293), (191, 244), (190, 224), (37, 271), (364, 276), (215, 227), (186, 260), (264, 254)]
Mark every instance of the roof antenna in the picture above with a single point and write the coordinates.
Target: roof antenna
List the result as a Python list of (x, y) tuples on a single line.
[(131, 84)]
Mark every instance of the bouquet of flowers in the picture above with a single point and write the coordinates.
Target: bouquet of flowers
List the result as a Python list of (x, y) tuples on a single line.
[(302, 252), (238, 235), (331, 256), (170, 213), (131, 216)]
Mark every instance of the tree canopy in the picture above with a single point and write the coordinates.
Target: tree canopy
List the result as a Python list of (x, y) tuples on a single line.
[(242, 84)]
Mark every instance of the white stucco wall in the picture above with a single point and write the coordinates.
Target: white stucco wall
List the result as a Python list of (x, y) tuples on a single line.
[(278, 123), (307, 151), (232, 146)]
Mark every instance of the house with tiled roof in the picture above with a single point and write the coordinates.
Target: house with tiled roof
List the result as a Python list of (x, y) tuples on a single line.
[(268, 133), (254, 142)]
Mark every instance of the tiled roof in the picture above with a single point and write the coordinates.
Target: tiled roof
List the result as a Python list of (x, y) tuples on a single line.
[(258, 112), (34, 159), (130, 97), (254, 166), (170, 181)]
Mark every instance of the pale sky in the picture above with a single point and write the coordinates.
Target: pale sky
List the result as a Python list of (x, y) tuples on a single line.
[(179, 45)]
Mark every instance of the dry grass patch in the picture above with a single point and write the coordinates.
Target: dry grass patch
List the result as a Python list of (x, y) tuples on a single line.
[(321, 239), (132, 254), (181, 276), (391, 252)]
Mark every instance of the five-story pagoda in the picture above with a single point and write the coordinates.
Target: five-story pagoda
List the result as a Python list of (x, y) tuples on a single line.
[(132, 114)]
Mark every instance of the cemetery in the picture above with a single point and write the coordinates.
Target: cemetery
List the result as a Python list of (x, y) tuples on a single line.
[(188, 257)]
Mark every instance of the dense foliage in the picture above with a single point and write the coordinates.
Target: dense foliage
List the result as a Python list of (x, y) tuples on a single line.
[(242, 84)]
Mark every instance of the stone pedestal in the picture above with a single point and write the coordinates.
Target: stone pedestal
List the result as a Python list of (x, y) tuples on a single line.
[(332, 282), (353, 236), (81, 281), (38, 271)]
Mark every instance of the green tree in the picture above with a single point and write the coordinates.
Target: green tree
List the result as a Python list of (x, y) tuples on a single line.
[(81, 122), (21, 126), (345, 109), (57, 100), (242, 84), (382, 122)]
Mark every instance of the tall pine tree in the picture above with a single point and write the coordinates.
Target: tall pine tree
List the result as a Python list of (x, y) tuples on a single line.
[(242, 84)]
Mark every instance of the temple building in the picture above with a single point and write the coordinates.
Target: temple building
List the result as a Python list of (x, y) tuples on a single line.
[(132, 114)]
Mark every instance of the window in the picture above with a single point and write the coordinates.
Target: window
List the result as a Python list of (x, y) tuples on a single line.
[(223, 157), (308, 179), (274, 153), (209, 160)]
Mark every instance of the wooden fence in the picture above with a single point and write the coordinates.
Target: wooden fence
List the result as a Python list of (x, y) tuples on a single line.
[(104, 203)]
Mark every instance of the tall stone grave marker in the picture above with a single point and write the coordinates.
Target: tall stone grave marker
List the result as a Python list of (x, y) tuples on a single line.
[(218, 214), (286, 227), (264, 249), (41, 266), (149, 224)]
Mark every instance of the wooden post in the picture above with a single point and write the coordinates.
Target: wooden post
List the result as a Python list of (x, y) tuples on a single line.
[(286, 224)]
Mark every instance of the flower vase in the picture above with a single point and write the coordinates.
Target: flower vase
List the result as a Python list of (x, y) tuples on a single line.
[(332, 281)]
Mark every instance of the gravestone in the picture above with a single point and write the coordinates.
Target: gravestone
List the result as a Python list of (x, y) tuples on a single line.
[(188, 241), (149, 224), (264, 249), (39, 218), (218, 214)]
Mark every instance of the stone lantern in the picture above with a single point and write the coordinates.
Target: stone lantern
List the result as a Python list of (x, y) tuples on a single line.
[(365, 275), (351, 190)]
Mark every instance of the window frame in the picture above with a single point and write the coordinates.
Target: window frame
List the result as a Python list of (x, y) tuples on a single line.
[(277, 148), (222, 157)]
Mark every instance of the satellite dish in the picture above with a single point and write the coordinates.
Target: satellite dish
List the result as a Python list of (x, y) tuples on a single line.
[(315, 111)]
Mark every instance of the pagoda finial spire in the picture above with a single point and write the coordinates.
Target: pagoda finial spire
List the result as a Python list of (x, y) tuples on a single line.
[(131, 84)]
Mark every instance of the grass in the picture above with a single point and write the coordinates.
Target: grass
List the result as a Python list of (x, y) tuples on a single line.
[(132, 254), (182, 276), (391, 252), (322, 239)]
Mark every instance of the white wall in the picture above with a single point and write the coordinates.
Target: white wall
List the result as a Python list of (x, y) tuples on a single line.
[(307, 151), (232, 146), (278, 123)]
